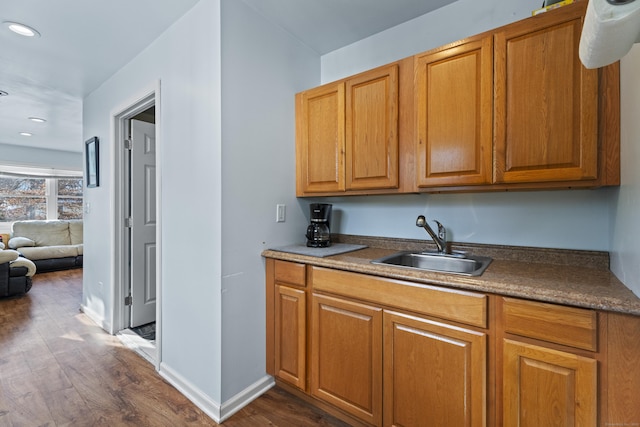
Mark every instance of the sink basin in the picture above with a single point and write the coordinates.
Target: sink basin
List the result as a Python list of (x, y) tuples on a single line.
[(456, 263)]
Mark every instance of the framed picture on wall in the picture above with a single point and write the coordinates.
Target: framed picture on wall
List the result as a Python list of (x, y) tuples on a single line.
[(92, 157)]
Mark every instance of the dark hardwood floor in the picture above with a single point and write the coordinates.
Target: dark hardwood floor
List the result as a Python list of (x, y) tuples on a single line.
[(57, 368)]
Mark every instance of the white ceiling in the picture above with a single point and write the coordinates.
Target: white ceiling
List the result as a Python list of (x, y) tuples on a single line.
[(84, 42)]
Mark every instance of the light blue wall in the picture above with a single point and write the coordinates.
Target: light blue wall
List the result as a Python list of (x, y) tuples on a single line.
[(625, 218), (455, 21), (189, 160), (40, 157), (262, 69), (560, 219), (226, 147)]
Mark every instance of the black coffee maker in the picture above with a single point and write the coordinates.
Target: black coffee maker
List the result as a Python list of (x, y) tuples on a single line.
[(318, 232)]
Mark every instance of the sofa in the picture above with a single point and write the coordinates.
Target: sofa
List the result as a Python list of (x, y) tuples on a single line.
[(15, 273), (51, 245)]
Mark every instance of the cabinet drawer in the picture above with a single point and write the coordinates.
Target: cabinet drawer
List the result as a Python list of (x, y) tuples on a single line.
[(574, 327), (290, 272), (459, 306)]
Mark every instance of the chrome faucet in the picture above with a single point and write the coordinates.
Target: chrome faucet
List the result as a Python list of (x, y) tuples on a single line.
[(439, 239)]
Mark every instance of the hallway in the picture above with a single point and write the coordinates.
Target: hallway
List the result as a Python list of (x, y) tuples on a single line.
[(58, 368)]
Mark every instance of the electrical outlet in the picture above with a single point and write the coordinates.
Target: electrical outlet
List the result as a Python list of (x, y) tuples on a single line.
[(281, 213)]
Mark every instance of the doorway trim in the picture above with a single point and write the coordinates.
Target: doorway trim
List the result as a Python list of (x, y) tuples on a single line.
[(148, 97)]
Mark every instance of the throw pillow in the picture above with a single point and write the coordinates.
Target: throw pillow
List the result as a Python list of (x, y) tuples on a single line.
[(19, 242)]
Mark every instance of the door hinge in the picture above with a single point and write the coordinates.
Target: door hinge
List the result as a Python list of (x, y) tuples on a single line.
[(128, 300), (128, 144), (128, 222)]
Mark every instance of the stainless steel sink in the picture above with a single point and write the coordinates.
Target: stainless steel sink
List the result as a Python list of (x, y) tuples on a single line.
[(456, 263)]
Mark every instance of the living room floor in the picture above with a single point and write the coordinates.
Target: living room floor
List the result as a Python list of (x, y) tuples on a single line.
[(58, 368)]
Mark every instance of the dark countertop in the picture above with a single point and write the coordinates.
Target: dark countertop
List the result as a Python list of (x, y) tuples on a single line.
[(576, 278)]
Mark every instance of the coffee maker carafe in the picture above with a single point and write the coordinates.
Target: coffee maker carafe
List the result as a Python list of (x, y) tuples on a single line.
[(318, 232)]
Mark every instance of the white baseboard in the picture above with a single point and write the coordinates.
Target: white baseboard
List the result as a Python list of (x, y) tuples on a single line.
[(246, 396), (193, 393), (214, 409), (96, 318)]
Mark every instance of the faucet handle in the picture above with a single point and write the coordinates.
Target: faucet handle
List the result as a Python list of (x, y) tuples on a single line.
[(442, 232)]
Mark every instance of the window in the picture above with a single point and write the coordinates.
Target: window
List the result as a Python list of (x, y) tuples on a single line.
[(24, 196), (69, 198)]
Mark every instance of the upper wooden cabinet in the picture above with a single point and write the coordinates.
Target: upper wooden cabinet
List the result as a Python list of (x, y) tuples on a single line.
[(371, 156), (454, 101), (320, 131), (512, 108), (347, 133), (546, 102)]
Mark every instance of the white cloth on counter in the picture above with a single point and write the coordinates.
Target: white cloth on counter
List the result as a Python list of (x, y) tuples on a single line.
[(334, 249)]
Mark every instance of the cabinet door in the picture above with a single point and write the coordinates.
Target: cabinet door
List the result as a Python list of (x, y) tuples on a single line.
[(320, 139), (454, 97), (290, 335), (434, 373), (372, 101), (546, 102), (346, 356), (544, 387)]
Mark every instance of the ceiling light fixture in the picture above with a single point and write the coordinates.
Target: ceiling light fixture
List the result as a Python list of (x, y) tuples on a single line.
[(26, 134), (23, 30), (37, 119)]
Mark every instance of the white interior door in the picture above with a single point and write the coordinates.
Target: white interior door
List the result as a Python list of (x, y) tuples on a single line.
[(143, 223)]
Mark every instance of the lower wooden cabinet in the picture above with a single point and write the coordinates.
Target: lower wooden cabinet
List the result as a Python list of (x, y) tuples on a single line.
[(546, 387), (434, 373), (549, 364), (291, 335), (346, 356), (363, 347), (286, 321)]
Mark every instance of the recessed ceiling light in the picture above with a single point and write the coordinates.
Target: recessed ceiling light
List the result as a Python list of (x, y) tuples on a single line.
[(26, 134), (23, 30), (37, 119)]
